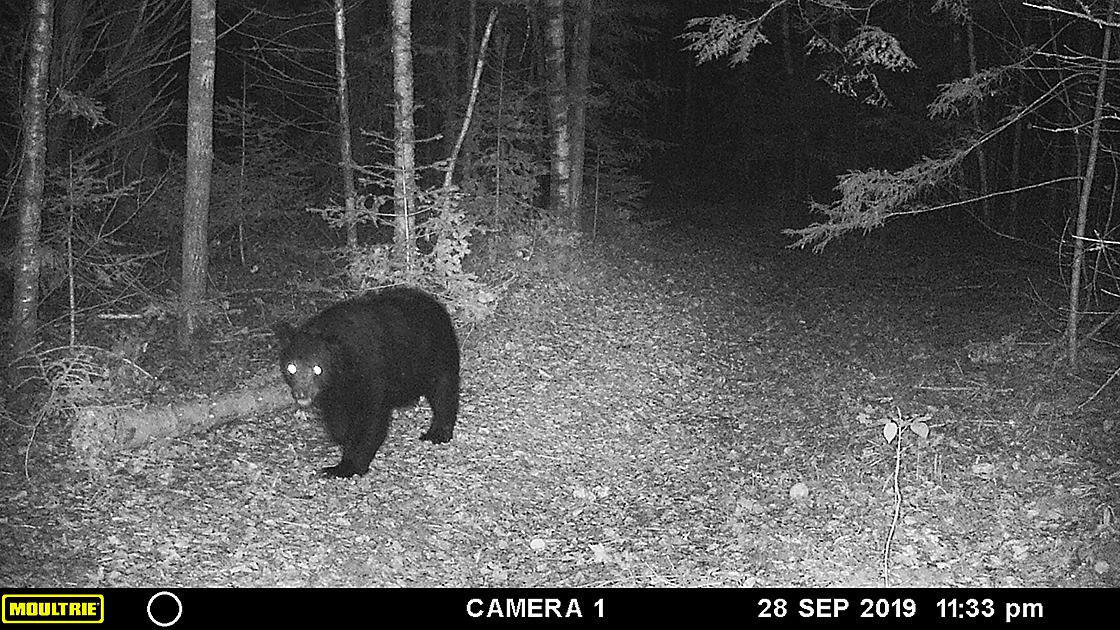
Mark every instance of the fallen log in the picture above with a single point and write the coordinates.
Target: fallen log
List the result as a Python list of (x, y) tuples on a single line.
[(103, 429)]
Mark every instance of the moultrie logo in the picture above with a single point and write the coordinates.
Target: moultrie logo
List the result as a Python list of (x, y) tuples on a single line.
[(35, 608)]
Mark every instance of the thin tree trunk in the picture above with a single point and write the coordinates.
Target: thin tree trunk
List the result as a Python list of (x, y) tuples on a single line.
[(67, 50), (345, 152), (560, 173), (404, 182), (787, 41), (451, 92), (472, 32), (131, 99), (200, 156), (1075, 271), (458, 146), (1012, 223), (1067, 154), (26, 290), (797, 108), (977, 119), (686, 132), (365, 110), (581, 61)]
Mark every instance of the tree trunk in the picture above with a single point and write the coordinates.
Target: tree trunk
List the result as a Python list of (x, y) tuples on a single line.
[(581, 61), (787, 41), (200, 156), (1076, 266), (797, 85), (1013, 224), (404, 181), (68, 42), (26, 290), (366, 111), (345, 152), (977, 119), (451, 92), (560, 172), (131, 100), (472, 32), (469, 114)]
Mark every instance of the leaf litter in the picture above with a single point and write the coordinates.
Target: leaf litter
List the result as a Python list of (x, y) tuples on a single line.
[(689, 408)]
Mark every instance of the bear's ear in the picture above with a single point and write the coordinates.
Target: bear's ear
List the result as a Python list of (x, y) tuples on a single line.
[(283, 331)]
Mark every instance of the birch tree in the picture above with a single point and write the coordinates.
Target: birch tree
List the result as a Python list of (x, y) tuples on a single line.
[(404, 138), (200, 157), (560, 165), (34, 158)]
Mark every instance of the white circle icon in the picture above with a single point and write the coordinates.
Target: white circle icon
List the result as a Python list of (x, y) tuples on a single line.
[(178, 604)]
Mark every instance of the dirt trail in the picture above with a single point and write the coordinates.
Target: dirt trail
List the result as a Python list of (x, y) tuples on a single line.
[(697, 407)]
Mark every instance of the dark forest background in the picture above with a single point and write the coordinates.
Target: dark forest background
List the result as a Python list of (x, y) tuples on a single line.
[(820, 118), (990, 105), (824, 292)]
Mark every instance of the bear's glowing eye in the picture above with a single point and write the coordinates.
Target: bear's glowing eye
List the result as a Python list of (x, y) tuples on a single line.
[(292, 369), (317, 370)]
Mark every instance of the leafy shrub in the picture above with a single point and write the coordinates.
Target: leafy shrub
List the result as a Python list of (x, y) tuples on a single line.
[(443, 232)]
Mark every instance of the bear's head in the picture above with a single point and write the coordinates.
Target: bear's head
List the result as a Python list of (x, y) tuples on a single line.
[(307, 363)]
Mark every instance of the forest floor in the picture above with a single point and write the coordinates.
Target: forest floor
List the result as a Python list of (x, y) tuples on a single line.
[(689, 406)]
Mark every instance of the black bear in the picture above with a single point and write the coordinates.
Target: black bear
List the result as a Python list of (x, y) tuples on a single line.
[(360, 359)]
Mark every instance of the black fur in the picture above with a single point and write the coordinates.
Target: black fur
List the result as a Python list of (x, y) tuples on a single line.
[(360, 359)]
